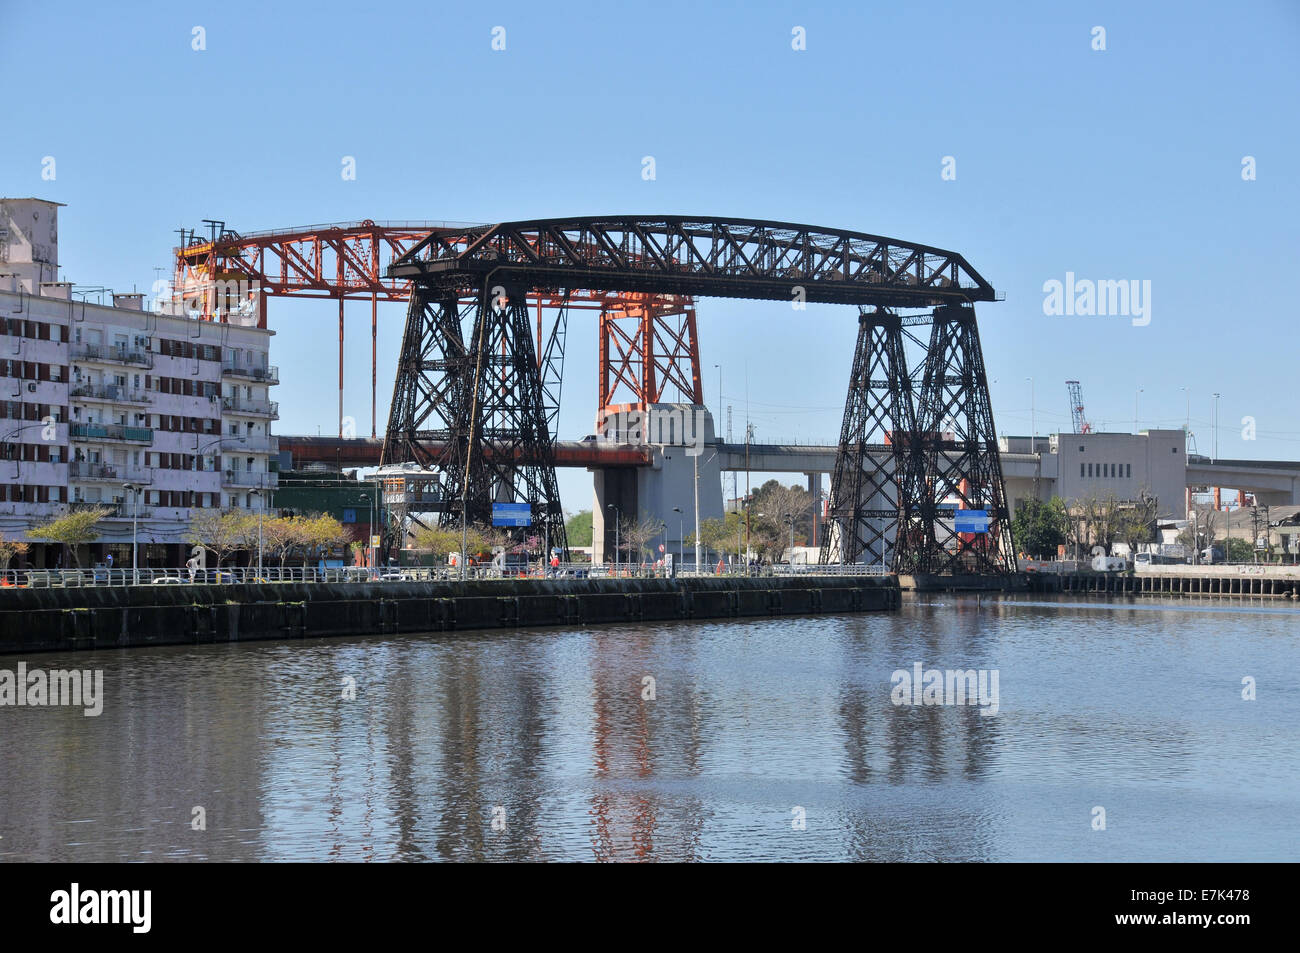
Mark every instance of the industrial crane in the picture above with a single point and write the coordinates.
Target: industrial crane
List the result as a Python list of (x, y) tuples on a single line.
[(1081, 425)]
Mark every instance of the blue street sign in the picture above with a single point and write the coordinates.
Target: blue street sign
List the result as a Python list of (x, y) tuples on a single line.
[(512, 514), (971, 521)]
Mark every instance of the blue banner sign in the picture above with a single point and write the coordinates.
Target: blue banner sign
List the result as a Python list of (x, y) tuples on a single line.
[(512, 514), (971, 521)]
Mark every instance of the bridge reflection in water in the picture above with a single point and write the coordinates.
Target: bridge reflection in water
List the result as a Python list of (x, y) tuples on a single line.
[(540, 745)]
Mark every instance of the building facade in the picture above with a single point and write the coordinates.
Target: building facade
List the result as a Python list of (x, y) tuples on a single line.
[(1078, 466), (140, 409)]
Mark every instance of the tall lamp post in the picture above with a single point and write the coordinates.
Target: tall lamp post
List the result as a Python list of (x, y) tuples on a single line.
[(1033, 429), (611, 506), (135, 515), (261, 508), (1187, 421), (1216, 429), (681, 534), (789, 521)]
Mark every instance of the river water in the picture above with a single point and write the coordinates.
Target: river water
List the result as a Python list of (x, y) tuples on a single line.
[(766, 739)]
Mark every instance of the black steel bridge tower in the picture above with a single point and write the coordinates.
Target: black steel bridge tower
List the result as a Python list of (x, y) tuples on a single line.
[(471, 398)]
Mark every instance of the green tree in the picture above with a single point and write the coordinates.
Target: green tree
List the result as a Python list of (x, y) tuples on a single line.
[(282, 535), (221, 531), (578, 528), (77, 527), (321, 534), (720, 535), (1038, 527), (1240, 551), (439, 542)]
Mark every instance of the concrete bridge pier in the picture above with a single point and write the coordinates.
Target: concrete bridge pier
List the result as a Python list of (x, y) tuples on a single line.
[(684, 455)]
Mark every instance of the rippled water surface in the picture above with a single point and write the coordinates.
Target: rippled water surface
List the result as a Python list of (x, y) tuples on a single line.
[(1133, 707)]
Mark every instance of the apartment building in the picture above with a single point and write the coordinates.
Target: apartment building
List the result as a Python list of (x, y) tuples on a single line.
[(121, 403)]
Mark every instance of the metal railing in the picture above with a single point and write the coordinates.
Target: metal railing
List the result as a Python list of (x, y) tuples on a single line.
[(105, 472), (234, 444), (112, 353), (115, 392), (236, 405), (267, 375), (239, 575), (254, 478), (109, 432)]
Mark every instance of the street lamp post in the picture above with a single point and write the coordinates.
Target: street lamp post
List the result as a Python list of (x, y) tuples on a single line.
[(135, 514), (1135, 409), (260, 510), (1033, 429), (789, 521), (1187, 421), (611, 506), (718, 423), (1216, 429), (681, 534), (696, 464)]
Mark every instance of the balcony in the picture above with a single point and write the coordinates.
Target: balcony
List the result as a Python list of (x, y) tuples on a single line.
[(107, 473), (250, 445), (111, 354), (253, 408), (116, 511), (263, 375), (109, 392), (249, 478), (110, 432)]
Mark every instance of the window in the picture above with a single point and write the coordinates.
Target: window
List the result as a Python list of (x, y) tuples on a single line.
[(1128, 467), (1090, 471), (1081, 471)]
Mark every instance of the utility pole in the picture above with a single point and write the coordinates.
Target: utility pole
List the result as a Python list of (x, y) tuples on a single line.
[(611, 506), (1135, 409), (135, 549), (719, 421), (696, 460), (1033, 429), (681, 534), (1215, 455), (749, 429)]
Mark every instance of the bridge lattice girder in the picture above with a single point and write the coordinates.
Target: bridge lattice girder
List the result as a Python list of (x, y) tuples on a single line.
[(738, 258)]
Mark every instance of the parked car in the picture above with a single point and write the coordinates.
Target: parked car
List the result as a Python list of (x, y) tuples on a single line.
[(167, 581)]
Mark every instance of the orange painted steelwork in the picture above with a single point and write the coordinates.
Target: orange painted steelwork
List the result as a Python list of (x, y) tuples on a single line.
[(348, 261)]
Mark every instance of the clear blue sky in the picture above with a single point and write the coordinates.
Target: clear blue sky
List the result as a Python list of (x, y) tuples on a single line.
[(1122, 164)]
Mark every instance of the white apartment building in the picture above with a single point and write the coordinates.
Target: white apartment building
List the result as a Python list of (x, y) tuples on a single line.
[(131, 405)]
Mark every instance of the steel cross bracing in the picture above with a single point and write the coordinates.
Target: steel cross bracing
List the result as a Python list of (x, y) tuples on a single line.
[(228, 276), (471, 407), (962, 466), (648, 345), (876, 467), (741, 258)]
